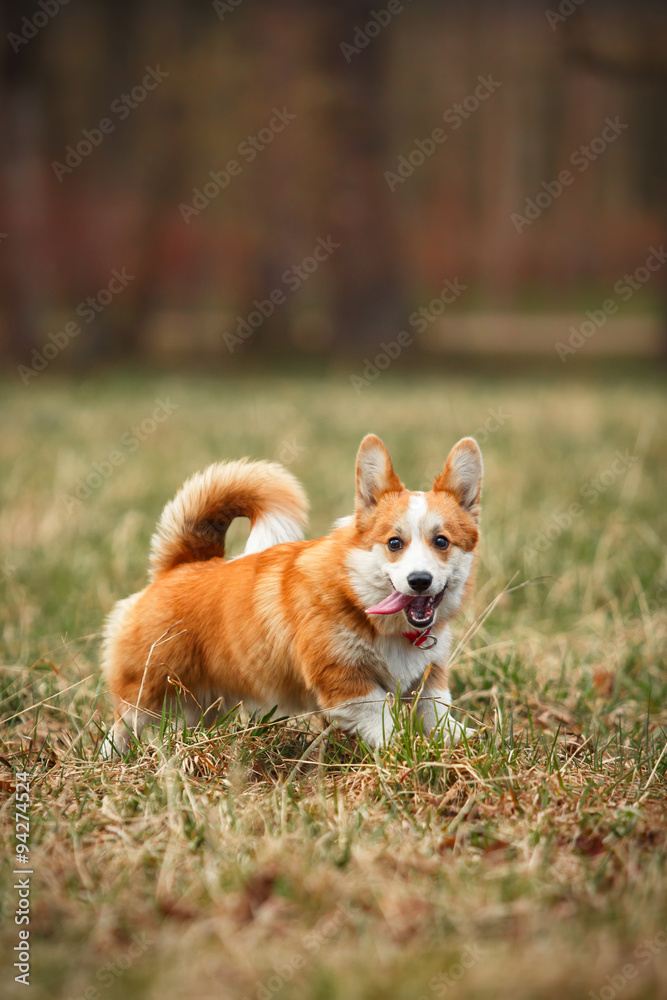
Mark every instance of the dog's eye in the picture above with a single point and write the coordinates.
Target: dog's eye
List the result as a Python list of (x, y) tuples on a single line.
[(441, 542), (394, 544)]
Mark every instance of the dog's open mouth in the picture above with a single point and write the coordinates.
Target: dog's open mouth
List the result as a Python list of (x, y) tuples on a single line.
[(420, 611)]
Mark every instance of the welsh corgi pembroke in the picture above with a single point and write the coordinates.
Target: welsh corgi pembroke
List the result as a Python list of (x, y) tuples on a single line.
[(339, 625)]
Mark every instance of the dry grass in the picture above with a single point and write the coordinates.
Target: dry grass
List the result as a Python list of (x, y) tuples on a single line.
[(529, 864)]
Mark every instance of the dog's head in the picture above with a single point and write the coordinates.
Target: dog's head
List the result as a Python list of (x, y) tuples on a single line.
[(413, 551)]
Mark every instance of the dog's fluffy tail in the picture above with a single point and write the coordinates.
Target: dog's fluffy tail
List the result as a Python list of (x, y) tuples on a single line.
[(193, 525)]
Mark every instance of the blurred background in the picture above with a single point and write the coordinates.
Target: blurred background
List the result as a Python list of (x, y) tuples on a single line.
[(230, 182), (220, 222)]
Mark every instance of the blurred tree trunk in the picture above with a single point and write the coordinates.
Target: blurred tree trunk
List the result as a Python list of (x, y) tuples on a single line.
[(160, 173), (357, 208), (280, 30), (630, 44), (353, 204), (25, 238)]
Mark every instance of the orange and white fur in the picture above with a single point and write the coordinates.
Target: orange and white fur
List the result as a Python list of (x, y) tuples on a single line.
[(334, 625)]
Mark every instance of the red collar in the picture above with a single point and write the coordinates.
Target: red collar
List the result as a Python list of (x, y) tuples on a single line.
[(417, 638)]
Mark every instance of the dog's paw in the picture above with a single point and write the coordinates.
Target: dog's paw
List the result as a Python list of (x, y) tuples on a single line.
[(116, 744), (108, 749)]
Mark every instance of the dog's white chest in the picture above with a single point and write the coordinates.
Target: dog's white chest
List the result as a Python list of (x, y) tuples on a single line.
[(406, 663)]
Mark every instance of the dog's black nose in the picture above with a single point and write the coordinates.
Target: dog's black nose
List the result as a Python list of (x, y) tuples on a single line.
[(420, 581)]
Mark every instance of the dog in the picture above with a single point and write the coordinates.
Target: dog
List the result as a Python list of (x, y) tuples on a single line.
[(339, 625)]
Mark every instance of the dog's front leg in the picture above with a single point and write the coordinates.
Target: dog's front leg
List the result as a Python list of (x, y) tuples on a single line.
[(130, 722), (434, 706), (350, 693), (369, 716)]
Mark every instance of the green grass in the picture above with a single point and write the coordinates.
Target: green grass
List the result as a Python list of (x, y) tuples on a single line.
[(527, 864)]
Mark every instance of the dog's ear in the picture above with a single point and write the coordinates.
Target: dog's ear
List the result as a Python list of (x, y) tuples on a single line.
[(462, 476), (375, 474)]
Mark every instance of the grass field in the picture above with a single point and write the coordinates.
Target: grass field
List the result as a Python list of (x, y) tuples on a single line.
[(527, 864)]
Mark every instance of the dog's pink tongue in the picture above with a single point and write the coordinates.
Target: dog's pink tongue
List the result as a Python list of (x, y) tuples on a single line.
[(395, 602)]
